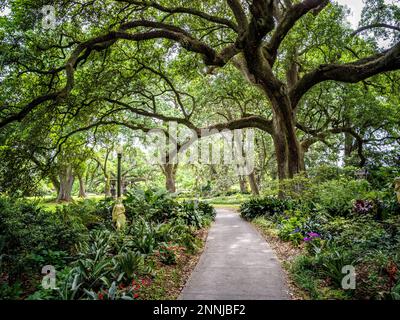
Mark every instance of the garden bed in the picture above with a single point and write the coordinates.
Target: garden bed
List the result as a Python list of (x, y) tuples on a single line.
[(337, 239), (170, 280), (151, 257)]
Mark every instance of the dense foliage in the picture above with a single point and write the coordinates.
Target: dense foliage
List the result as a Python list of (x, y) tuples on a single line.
[(339, 222), (90, 258)]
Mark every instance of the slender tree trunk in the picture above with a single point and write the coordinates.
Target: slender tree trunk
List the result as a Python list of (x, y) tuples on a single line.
[(82, 189), (253, 184), (66, 183), (107, 186), (169, 170), (348, 144), (243, 184)]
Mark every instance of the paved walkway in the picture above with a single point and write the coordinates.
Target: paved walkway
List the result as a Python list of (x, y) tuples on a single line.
[(237, 264)]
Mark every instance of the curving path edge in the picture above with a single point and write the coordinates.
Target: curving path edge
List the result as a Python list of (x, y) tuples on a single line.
[(237, 264)]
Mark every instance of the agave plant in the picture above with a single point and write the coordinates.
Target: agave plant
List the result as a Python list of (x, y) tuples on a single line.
[(94, 266), (144, 238), (130, 264)]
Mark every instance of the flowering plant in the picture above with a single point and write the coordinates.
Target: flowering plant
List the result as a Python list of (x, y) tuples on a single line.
[(121, 291), (314, 243), (363, 206), (311, 236)]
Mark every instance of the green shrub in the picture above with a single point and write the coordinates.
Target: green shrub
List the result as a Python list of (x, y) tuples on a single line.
[(155, 205), (382, 177), (206, 209), (336, 196), (83, 211), (191, 215), (395, 292), (303, 272), (143, 236), (80, 241), (331, 262), (175, 230), (131, 264), (167, 254), (196, 214), (33, 237), (103, 210), (325, 173), (268, 206), (290, 226)]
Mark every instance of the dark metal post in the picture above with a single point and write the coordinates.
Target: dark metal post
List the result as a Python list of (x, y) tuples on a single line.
[(119, 176)]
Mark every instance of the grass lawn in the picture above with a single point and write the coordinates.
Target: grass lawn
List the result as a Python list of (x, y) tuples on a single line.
[(50, 203), (231, 202), (228, 201)]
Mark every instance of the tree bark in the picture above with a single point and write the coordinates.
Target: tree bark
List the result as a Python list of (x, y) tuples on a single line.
[(253, 184), (169, 170), (289, 153), (82, 189), (66, 183), (243, 184), (107, 186), (55, 182)]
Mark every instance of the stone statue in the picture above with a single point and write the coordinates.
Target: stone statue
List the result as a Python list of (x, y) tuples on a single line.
[(397, 188), (118, 215)]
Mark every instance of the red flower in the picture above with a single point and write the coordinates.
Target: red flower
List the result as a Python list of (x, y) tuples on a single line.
[(135, 285), (100, 296), (136, 295)]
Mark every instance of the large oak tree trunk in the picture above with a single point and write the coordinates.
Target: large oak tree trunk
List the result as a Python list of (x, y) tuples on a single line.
[(66, 183), (289, 154)]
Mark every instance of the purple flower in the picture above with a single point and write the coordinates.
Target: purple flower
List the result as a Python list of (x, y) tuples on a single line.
[(313, 235)]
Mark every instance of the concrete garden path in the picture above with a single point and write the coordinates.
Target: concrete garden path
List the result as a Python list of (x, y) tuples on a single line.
[(237, 264)]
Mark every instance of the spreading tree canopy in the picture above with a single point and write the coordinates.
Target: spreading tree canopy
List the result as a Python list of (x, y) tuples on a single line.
[(96, 57)]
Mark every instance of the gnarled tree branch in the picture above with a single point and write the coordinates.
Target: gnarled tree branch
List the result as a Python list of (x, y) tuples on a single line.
[(349, 72)]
